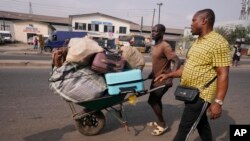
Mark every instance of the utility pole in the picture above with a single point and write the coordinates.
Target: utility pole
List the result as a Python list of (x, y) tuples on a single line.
[(4, 23), (152, 23), (141, 24), (245, 10), (159, 4), (153, 18), (30, 8)]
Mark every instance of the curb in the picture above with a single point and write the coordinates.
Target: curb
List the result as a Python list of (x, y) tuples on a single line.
[(26, 53), (38, 63), (29, 63), (24, 63)]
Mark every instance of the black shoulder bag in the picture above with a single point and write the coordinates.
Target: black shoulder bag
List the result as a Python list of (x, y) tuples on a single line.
[(187, 93)]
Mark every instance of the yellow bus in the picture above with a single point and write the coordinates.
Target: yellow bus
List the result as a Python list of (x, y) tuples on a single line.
[(137, 41)]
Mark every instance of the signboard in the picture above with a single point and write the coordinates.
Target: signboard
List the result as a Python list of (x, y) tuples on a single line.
[(30, 29), (100, 22)]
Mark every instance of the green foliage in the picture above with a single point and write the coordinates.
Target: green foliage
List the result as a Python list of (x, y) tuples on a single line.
[(232, 34), (228, 33)]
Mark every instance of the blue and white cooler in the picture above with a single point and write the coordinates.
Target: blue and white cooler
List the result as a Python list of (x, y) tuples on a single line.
[(118, 82)]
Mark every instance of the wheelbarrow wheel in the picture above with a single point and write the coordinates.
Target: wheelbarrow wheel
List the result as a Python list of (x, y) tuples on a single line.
[(91, 124)]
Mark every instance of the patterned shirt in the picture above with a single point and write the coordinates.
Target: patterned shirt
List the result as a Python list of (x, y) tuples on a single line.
[(207, 52)]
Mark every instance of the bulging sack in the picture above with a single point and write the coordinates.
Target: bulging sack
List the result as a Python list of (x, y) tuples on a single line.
[(81, 49), (77, 84), (133, 57)]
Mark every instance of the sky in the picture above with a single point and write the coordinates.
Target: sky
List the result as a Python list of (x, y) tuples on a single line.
[(173, 13)]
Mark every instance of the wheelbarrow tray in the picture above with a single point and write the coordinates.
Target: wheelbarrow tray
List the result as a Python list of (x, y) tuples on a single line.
[(103, 102)]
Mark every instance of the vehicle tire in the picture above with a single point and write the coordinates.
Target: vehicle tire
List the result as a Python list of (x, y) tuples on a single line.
[(91, 124), (148, 50), (47, 49)]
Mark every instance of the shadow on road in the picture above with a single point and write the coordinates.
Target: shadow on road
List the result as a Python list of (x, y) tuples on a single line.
[(51, 135), (220, 127), (138, 116)]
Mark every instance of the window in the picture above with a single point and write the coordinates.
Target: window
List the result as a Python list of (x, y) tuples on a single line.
[(93, 27), (123, 30), (80, 26), (5, 27), (108, 28)]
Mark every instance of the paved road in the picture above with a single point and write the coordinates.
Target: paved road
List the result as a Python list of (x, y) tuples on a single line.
[(41, 59), (31, 112)]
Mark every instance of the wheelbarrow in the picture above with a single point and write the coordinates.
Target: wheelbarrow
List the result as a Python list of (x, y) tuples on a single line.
[(91, 120)]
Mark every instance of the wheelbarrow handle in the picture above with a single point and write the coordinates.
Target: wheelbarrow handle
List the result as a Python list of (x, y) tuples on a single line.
[(156, 88)]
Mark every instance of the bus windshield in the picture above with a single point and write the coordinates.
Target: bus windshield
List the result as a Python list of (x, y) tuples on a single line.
[(134, 40), (125, 38), (139, 41)]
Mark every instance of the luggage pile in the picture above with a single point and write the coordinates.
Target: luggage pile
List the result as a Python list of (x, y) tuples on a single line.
[(86, 71)]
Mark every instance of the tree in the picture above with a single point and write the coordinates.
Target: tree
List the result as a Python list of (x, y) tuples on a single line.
[(232, 34)]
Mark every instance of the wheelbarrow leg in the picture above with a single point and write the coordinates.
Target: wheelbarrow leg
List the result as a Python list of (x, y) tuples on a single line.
[(125, 123), (72, 108), (119, 117), (119, 111), (78, 115)]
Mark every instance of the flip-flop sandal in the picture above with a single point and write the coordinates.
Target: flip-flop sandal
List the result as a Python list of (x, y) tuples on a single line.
[(152, 124), (159, 130)]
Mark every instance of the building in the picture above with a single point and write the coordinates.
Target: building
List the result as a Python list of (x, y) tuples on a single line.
[(24, 26), (100, 24), (171, 34)]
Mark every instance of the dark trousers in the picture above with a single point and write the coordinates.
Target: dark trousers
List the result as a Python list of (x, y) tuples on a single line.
[(191, 113)]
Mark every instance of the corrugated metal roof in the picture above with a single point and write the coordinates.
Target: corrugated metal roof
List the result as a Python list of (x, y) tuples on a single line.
[(101, 14), (149, 28), (65, 21), (33, 17)]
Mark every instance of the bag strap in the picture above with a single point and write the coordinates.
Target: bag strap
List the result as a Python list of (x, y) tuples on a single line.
[(204, 107), (208, 83)]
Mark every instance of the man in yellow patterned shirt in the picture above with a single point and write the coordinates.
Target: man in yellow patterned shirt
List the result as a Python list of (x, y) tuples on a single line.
[(208, 58)]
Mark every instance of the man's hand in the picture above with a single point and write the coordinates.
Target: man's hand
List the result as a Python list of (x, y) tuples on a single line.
[(214, 111), (161, 77)]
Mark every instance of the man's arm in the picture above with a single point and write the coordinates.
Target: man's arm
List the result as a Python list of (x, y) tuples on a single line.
[(222, 86), (172, 74), (222, 82), (176, 63)]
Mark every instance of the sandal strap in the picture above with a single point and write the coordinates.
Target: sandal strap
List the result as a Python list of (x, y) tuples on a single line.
[(153, 123), (159, 130)]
